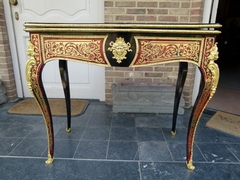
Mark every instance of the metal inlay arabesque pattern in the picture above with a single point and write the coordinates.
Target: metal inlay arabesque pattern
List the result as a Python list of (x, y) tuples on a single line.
[(88, 49), (155, 51)]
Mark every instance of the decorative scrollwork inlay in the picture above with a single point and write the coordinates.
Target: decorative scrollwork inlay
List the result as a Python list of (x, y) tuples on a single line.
[(152, 51), (213, 67), (30, 63), (119, 49), (157, 50), (86, 49)]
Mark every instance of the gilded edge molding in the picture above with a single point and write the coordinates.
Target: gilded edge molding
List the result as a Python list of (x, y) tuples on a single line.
[(213, 67), (119, 49), (30, 63)]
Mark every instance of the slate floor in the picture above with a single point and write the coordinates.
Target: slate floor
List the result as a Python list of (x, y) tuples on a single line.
[(108, 146)]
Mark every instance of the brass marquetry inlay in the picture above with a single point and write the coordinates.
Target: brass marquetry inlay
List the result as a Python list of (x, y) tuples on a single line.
[(161, 49), (213, 68), (119, 49), (82, 49), (153, 51), (30, 63), (88, 49)]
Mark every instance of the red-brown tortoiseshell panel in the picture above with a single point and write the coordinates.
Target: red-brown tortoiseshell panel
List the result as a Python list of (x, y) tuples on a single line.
[(76, 48), (152, 50)]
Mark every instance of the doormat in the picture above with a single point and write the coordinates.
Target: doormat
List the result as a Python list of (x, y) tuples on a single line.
[(225, 122), (57, 106)]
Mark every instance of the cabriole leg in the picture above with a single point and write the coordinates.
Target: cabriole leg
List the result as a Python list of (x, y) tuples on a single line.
[(194, 118), (182, 74), (65, 83), (210, 76), (33, 72)]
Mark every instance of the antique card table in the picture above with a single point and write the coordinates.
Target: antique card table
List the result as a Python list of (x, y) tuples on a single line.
[(124, 45)]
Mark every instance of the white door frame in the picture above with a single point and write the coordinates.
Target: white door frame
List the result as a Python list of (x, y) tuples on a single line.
[(13, 47), (209, 16)]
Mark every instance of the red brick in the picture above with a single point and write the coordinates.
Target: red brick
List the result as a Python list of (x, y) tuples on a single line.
[(11, 89), (165, 80), (108, 91), (172, 64), (124, 18), (114, 73), (2, 16), (125, 4), (153, 74), (6, 65), (2, 22), (197, 4), (108, 4), (157, 11), (179, 11), (196, 12), (118, 10), (147, 4), (133, 74), (12, 96), (4, 41), (108, 85), (185, 5), (108, 96), (168, 18), (163, 69), (169, 4), (136, 11), (195, 19), (109, 79), (142, 80), (5, 53), (123, 79), (184, 19), (4, 59), (146, 18), (109, 68), (123, 69), (144, 68), (108, 18), (7, 77)]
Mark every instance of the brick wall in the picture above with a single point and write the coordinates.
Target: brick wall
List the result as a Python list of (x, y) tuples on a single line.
[(6, 67), (152, 11)]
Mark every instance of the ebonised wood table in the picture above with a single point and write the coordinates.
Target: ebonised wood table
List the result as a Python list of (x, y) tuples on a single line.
[(124, 45)]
